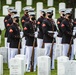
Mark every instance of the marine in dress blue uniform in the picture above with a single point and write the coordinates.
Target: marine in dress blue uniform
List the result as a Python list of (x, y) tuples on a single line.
[(48, 25), (14, 36), (39, 26), (5, 23), (29, 31), (59, 21), (67, 30)]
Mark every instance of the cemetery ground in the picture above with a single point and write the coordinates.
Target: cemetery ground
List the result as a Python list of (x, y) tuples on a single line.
[(6, 70)]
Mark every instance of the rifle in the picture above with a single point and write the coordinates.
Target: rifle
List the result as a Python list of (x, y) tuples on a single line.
[(19, 44), (51, 51), (20, 40), (32, 57), (70, 48), (42, 45)]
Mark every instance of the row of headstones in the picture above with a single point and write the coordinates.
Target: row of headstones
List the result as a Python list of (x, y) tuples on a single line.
[(40, 52), (18, 65), (64, 65), (18, 6), (39, 6), (29, 2), (58, 51)]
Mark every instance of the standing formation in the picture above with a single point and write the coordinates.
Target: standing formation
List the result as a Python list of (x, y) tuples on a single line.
[(38, 33)]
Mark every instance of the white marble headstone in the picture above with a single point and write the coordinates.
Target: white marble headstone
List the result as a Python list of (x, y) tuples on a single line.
[(5, 11), (1, 65), (18, 6), (8, 1), (50, 2), (75, 46), (60, 65), (4, 52), (58, 50), (52, 8), (44, 65), (75, 12), (2, 27), (70, 67), (16, 66), (23, 43), (22, 57), (40, 52), (29, 2), (62, 5), (58, 40), (39, 6)]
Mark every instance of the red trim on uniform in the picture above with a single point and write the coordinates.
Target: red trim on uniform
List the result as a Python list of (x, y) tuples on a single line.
[(25, 28), (62, 25), (5, 20), (8, 24), (58, 22), (38, 22), (10, 30), (23, 20), (43, 25)]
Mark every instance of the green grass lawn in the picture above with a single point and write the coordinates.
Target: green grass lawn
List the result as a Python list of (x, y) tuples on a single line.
[(6, 70)]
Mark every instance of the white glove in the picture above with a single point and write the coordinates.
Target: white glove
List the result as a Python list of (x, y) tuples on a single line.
[(73, 33), (55, 34), (36, 34), (74, 28), (37, 29), (21, 34)]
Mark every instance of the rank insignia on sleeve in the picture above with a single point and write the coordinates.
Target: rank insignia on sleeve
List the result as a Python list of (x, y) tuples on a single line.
[(8, 24), (23, 20), (62, 25), (25, 28), (43, 25), (58, 22), (10, 30), (38, 22), (5, 21)]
